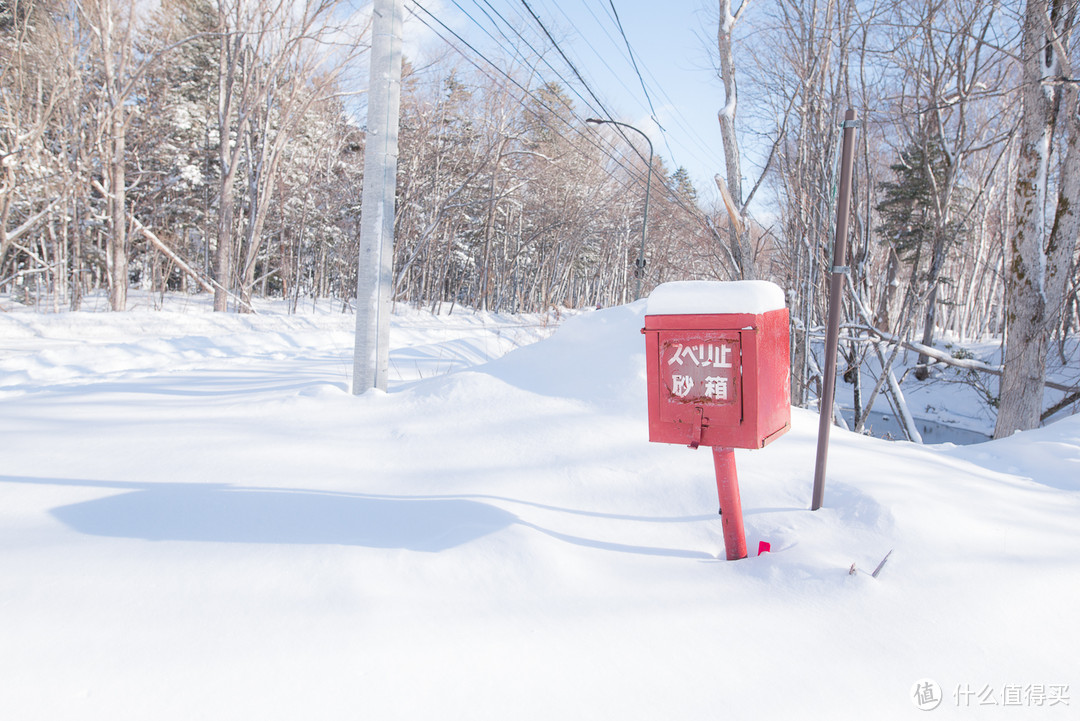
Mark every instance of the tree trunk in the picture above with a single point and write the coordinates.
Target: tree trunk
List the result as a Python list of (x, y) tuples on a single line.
[(230, 88), (1030, 276), (117, 261), (738, 229), (933, 279), (116, 192), (223, 254), (489, 226)]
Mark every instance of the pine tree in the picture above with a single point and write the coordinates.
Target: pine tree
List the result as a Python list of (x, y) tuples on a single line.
[(684, 187), (907, 215), (922, 215)]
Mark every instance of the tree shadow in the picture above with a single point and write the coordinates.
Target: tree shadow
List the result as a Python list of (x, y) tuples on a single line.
[(220, 513), (224, 514)]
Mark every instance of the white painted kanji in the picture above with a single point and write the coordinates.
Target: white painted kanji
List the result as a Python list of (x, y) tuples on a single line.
[(681, 385), (716, 387), (722, 354)]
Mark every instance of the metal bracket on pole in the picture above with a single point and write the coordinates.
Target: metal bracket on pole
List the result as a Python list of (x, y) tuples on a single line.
[(841, 269)]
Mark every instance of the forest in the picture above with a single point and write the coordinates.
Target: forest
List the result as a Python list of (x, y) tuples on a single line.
[(216, 146)]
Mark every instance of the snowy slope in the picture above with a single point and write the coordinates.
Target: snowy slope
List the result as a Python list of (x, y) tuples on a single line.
[(197, 520)]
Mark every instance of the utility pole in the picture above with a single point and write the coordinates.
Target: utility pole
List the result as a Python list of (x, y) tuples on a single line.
[(374, 278), (640, 272), (836, 288)]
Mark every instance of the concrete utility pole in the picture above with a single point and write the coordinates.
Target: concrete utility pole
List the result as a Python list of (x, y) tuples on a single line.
[(371, 357)]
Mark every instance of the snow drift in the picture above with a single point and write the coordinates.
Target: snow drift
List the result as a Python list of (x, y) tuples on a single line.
[(197, 520)]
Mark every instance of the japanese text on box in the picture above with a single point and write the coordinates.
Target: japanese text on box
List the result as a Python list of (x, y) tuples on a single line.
[(702, 372)]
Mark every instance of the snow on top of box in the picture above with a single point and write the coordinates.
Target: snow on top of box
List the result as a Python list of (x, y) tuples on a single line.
[(698, 296)]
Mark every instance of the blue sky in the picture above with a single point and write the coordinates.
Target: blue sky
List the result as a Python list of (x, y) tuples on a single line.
[(671, 45)]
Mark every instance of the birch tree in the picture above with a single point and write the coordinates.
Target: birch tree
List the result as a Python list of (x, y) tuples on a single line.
[(294, 70), (121, 66), (1040, 254), (739, 230)]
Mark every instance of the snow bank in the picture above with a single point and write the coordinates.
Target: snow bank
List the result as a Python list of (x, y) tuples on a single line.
[(597, 357), (237, 536), (1048, 456)]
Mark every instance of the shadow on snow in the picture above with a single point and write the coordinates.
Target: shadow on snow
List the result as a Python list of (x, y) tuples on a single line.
[(219, 513)]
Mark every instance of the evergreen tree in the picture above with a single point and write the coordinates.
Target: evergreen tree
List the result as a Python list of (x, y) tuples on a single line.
[(922, 218), (684, 187), (907, 208), (545, 117)]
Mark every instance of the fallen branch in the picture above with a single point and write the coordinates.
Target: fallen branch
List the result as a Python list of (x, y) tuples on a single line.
[(911, 430), (1072, 392), (1071, 398), (206, 284), (965, 363)]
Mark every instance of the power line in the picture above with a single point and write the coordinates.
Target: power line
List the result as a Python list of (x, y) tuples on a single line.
[(592, 46), (703, 148), (588, 137), (696, 145), (566, 83), (491, 13), (538, 54), (569, 62), (633, 62), (625, 50)]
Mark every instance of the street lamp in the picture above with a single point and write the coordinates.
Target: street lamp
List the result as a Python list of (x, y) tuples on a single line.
[(648, 183)]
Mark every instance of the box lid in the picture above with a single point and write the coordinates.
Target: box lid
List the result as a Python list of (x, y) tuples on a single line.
[(752, 297)]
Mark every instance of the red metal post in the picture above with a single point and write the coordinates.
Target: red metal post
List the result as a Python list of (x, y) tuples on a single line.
[(727, 487)]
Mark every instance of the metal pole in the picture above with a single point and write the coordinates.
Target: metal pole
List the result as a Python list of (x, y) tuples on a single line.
[(731, 517), (371, 354), (648, 184), (832, 333)]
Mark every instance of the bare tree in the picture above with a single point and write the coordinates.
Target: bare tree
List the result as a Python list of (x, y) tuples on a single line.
[(739, 228), (1040, 257), (804, 79), (275, 61), (950, 71), (296, 68), (33, 88)]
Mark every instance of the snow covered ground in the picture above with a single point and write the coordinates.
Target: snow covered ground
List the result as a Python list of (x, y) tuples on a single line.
[(199, 521)]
